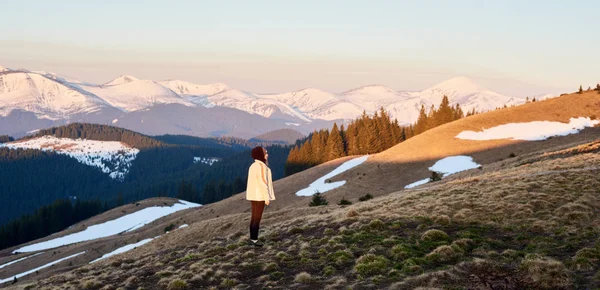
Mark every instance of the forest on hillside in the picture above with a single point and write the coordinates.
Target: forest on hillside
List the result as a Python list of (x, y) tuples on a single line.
[(30, 179), (366, 135)]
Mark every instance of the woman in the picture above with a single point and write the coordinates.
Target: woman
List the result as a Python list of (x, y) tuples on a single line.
[(259, 190)]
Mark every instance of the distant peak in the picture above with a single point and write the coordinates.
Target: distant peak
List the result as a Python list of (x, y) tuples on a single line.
[(370, 88), (3, 69), (463, 84), (121, 80)]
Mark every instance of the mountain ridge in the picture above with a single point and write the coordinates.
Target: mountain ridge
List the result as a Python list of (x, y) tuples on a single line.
[(67, 99)]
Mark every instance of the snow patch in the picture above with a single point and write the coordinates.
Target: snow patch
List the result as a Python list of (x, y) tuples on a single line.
[(115, 121), (207, 160), (532, 131), (320, 185), (124, 249), (448, 166), (38, 268), (19, 260), (112, 157), (417, 183), (183, 226), (123, 224), (292, 124)]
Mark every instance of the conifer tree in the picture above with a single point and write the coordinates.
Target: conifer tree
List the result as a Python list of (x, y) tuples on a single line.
[(580, 90), (444, 113), (335, 144), (421, 125)]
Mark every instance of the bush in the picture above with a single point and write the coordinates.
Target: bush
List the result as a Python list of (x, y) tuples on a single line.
[(341, 257), (343, 201), (169, 228), (177, 284), (443, 253), (434, 236), (512, 155), (318, 200), (435, 176), (228, 283), (370, 264), (303, 278), (546, 273), (365, 197), (328, 271)]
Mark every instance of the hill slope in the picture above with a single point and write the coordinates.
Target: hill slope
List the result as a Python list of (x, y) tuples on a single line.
[(498, 225), (470, 230)]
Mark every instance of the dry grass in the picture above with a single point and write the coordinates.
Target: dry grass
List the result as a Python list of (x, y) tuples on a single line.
[(521, 225)]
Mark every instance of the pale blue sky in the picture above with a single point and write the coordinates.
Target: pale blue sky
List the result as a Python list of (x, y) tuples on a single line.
[(514, 47)]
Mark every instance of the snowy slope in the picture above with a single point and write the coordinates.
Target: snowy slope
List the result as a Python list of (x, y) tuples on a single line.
[(531, 131), (113, 158), (125, 223), (45, 97), (448, 166), (195, 93), (38, 268), (317, 104), (321, 185), (131, 94), (373, 97)]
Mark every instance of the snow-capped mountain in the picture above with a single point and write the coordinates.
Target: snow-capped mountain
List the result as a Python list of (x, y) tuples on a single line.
[(131, 94), (27, 95), (468, 94), (317, 104), (45, 97)]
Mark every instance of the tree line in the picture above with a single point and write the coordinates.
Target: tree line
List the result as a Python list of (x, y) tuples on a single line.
[(6, 138), (100, 133), (47, 220), (367, 135)]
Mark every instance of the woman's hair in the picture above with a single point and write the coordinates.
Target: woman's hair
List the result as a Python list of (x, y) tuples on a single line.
[(258, 153)]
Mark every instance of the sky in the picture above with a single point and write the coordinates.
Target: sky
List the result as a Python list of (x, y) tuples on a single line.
[(512, 47)]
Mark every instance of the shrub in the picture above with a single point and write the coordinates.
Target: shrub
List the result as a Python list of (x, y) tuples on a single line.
[(303, 278), (434, 236), (442, 253), (365, 197), (177, 284), (376, 224), (270, 267), (344, 201), (341, 257), (435, 176), (463, 245), (328, 271), (228, 283), (512, 155), (318, 200), (169, 228), (545, 273), (352, 213), (370, 264), (399, 252), (442, 220)]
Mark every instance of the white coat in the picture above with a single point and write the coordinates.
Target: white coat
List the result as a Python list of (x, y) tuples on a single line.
[(257, 189)]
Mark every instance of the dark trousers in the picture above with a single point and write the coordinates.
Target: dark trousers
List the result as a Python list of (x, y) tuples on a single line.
[(257, 211)]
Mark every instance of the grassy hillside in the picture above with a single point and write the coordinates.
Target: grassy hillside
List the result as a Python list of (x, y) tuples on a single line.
[(531, 222)]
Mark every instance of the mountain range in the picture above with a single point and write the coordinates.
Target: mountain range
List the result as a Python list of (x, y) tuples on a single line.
[(31, 100)]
